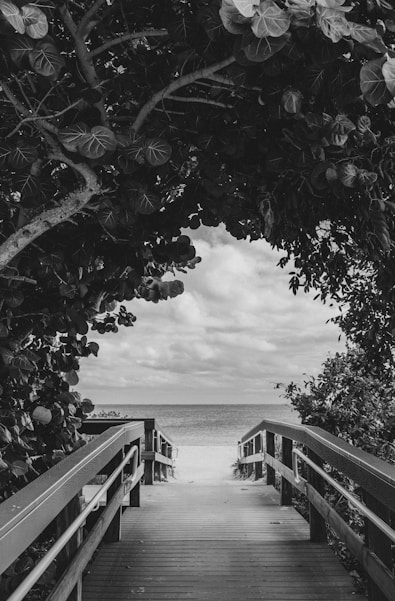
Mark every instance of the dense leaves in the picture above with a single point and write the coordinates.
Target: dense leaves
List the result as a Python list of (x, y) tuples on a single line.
[(124, 123)]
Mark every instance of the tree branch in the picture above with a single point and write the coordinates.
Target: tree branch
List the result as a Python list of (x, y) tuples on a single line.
[(20, 108), (127, 37), (70, 205), (44, 117), (88, 15), (227, 81), (84, 58), (181, 82), (200, 100)]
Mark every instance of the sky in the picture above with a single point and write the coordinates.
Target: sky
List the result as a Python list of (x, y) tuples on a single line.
[(234, 334)]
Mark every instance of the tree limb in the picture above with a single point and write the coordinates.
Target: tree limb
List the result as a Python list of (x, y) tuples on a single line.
[(20, 108), (84, 58), (88, 16), (70, 205), (44, 117), (127, 37), (200, 100), (181, 82)]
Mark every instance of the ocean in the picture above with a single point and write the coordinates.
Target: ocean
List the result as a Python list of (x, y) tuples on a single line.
[(204, 425)]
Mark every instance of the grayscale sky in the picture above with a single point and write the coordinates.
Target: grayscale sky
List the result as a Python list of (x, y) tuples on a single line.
[(235, 332)]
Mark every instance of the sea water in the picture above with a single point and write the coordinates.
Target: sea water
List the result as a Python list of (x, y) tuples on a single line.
[(205, 425)]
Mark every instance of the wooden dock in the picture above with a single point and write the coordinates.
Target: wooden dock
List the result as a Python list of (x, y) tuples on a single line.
[(211, 542)]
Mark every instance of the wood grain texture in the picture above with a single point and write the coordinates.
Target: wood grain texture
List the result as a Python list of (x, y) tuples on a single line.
[(203, 542)]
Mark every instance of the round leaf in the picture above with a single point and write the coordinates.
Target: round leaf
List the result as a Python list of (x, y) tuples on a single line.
[(22, 156), (259, 50), (42, 415), (46, 60), (146, 203), (270, 20), (97, 142), (333, 23), (348, 174), (373, 84), (5, 151), (72, 377), (13, 15), (28, 185), (157, 151), (14, 298), (35, 21), (246, 7), (389, 74), (19, 48), (292, 101), (232, 19), (70, 137), (19, 467)]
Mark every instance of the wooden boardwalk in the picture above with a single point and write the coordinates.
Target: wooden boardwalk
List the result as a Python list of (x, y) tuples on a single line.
[(215, 542)]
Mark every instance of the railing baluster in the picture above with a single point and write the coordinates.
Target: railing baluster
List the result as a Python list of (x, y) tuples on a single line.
[(317, 522), (250, 450), (149, 426), (286, 458), (258, 449), (270, 472), (378, 542), (63, 521), (113, 533)]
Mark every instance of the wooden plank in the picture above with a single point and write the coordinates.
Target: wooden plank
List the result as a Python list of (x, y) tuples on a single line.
[(27, 513), (157, 457), (208, 542)]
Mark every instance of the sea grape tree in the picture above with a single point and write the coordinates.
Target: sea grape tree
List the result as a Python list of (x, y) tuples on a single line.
[(124, 122)]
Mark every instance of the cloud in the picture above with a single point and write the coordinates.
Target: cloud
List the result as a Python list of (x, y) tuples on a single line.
[(234, 333)]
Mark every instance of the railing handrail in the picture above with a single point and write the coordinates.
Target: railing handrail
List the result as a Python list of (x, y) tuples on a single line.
[(78, 522), (149, 422), (35, 506), (376, 475)]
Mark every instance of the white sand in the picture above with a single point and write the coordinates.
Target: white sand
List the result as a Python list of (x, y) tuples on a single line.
[(204, 464)]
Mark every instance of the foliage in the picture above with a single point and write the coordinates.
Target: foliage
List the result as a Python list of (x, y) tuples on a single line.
[(351, 400), (356, 402), (125, 122)]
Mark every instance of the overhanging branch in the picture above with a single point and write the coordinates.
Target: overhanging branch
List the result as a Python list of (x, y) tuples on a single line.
[(196, 99), (70, 205), (84, 58), (181, 82), (128, 37)]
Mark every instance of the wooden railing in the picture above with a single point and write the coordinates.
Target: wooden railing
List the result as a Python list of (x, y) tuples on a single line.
[(159, 450), (55, 500), (273, 444)]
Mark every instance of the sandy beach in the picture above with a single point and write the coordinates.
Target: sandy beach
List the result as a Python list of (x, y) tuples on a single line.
[(196, 464)]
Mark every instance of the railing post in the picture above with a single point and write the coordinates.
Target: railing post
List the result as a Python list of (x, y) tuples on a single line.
[(286, 458), (149, 426), (378, 543), (258, 449), (250, 466), (164, 465), (317, 522), (157, 465), (63, 521), (113, 532), (134, 495), (270, 472)]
